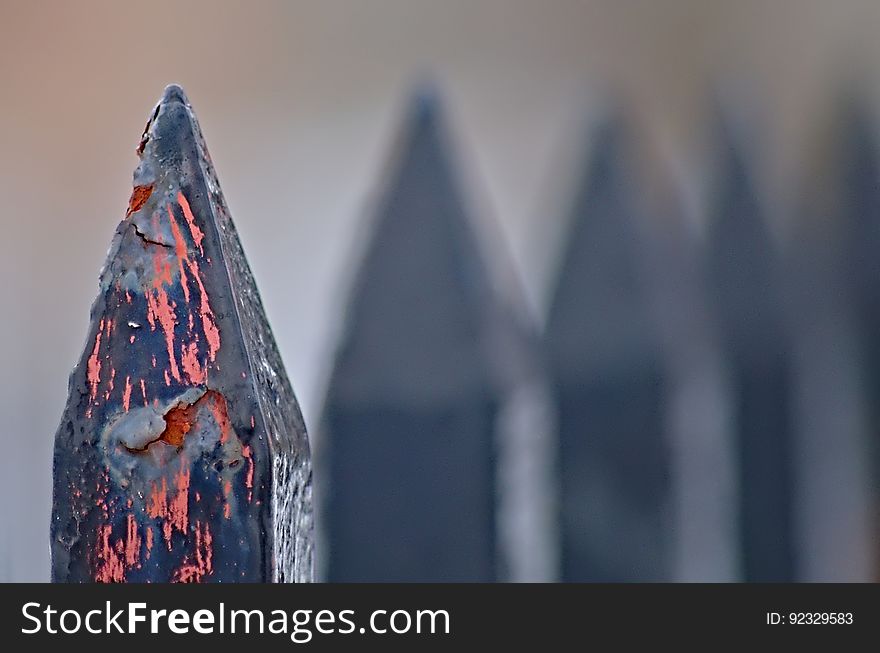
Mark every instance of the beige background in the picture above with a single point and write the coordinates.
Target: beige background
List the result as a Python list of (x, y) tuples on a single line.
[(299, 102)]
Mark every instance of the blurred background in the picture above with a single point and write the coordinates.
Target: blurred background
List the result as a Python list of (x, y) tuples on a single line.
[(672, 219)]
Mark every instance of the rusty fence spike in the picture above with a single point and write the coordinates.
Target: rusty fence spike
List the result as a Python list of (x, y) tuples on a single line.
[(181, 455)]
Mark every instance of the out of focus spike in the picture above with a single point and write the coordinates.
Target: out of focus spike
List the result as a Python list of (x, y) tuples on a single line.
[(745, 287), (611, 383), (415, 412), (835, 278), (181, 454)]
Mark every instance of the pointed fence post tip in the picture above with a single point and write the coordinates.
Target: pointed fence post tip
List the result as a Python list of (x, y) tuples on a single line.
[(744, 269), (611, 378), (181, 455), (417, 414)]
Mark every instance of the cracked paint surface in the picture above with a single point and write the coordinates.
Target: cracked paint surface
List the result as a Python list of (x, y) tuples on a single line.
[(157, 460)]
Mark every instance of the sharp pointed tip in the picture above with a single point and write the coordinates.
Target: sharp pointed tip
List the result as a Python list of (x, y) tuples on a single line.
[(174, 93), (172, 103)]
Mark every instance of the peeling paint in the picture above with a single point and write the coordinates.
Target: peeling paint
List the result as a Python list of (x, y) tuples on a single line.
[(194, 230), (126, 394), (94, 364)]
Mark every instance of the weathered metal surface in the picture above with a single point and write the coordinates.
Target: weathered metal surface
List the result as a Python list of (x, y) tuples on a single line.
[(745, 283), (181, 455), (610, 381), (413, 417)]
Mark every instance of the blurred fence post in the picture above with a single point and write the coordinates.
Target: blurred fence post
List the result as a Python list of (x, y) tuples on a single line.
[(835, 274), (750, 309), (181, 455), (610, 383), (414, 420)]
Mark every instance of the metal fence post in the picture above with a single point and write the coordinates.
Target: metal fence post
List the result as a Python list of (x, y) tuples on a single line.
[(181, 455)]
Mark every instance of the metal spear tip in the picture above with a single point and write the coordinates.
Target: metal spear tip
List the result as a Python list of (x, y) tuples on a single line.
[(166, 431), (174, 93)]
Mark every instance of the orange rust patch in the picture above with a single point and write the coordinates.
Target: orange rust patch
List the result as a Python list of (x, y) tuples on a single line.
[(139, 197), (179, 421)]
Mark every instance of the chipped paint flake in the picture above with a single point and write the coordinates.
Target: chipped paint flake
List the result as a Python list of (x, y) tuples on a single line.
[(197, 234), (94, 364)]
